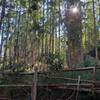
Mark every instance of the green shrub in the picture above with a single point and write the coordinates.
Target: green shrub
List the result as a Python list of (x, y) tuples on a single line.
[(54, 61), (89, 61)]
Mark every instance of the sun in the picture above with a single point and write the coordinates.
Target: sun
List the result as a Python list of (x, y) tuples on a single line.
[(75, 10)]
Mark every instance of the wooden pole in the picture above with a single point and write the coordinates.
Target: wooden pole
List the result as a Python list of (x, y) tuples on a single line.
[(34, 87), (78, 86), (94, 79)]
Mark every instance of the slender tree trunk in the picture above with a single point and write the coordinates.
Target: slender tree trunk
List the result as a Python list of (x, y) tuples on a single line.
[(95, 32), (2, 16), (3, 12)]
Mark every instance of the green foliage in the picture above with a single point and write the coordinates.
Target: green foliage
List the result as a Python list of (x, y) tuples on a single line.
[(17, 67), (89, 61), (54, 61), (23, 3)]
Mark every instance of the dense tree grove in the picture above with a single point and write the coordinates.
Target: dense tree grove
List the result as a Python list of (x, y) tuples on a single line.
[(50, 40), (30, 29)]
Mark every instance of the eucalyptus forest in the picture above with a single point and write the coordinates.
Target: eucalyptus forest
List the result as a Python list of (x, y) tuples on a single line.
[(49, 49)]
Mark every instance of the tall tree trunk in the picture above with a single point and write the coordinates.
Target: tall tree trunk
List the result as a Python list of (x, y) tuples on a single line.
[(95, 31), (2, 16), (74, 26), (3, 12)]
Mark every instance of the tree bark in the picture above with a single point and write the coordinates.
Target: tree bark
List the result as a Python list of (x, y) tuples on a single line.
[(74, 26)]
